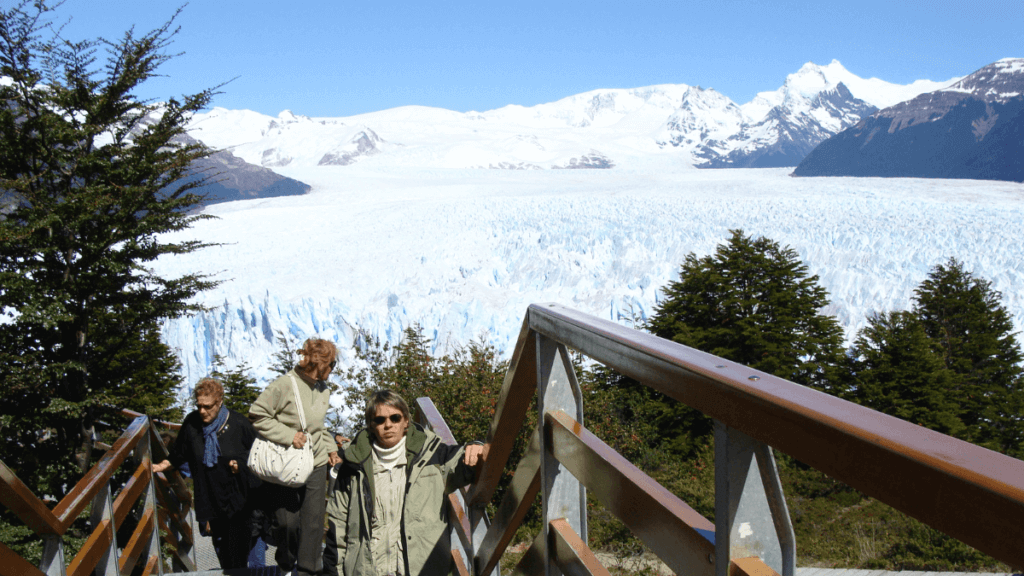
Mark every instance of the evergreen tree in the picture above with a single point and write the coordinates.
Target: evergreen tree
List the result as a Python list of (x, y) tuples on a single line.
[(751, 302), (240, 391), (284, 358), (898, 373), (973, 332), (91, 179), (408, 369)]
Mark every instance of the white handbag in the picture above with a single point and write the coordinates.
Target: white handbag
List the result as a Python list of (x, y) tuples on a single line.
[(283, 464)]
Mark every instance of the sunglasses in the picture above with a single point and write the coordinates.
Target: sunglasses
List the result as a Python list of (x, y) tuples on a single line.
[(207, 406), (395, 419)]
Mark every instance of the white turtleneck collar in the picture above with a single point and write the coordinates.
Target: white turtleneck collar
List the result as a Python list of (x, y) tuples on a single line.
[(388, 458)]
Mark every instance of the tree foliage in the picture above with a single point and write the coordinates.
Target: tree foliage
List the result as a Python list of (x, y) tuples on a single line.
[(91, 178), (240, 390), (464, 384), (751, 302), (973, 332), (900, 374)]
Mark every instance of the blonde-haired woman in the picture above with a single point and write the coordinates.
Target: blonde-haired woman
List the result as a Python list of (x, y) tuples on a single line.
[(298, 513)]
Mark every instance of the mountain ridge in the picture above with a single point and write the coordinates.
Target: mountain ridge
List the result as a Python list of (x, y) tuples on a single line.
[(969, 129), (671, 125)]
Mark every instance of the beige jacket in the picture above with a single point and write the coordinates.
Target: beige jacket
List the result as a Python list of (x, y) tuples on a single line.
[(276, 418)]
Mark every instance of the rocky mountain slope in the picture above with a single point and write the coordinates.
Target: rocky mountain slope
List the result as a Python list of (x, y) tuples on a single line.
[(971, 129)]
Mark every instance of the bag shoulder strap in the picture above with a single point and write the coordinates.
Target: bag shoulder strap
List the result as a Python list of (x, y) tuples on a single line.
[(298, 400)]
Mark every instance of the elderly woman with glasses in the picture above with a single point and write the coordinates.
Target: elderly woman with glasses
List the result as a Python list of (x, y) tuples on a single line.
[(297, 514), (387, 513), (214, 441)]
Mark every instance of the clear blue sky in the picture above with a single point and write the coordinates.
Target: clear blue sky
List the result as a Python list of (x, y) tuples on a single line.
[(344, 57)]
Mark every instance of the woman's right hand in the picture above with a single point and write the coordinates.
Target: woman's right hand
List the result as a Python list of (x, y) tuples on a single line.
[(299, 440)]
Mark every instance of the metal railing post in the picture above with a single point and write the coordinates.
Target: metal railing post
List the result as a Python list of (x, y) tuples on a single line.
[(103, 510), (480, 522), (751, 517), (53, 563), (562, 494), (144, 453)]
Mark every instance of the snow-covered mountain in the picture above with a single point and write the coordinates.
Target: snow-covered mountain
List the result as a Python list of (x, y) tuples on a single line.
[(816, 102), (973, 128), (458, 221), (463, 252), (665, 125)]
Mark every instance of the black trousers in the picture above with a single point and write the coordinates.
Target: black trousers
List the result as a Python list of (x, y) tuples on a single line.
[(299, 523), (232, 539)]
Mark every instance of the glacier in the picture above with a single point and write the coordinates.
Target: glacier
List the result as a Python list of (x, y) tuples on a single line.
[(463, 252)]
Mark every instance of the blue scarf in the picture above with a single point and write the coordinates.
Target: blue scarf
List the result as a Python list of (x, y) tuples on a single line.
[(211, 450)]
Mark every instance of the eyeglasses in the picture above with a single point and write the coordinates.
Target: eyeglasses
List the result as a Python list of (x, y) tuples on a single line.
[(395, 419), (207, 406)]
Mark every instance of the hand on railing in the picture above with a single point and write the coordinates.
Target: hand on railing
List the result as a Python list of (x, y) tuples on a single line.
[(475, 454), (161, 466)]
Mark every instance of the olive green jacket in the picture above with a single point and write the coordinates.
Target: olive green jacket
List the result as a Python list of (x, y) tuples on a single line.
[(434, 470), (276, 418)]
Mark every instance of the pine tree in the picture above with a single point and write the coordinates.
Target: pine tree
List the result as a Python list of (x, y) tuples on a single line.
[(973, 332), (751, 302), (240, 391), (91, 179), (897, 372)]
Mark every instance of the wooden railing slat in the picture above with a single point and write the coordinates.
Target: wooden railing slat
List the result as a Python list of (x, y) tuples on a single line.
[(517, 395), (973, 494), (460, 564), (131, 492), (136, 544), (434, 420), (533, 561), (673, 530), (167, 536), (11, 563), (460, 520), (82, 494), (571, 553), (94, 548), (750, 567), (521, 494), (19, 499), (151, 565), (133, 414)]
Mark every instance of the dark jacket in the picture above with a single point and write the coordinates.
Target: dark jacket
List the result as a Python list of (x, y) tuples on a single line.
[(434, 470), (218, 492)]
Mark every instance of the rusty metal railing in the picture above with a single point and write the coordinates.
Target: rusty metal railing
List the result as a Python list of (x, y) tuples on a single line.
[(111, 503), (973, 494)]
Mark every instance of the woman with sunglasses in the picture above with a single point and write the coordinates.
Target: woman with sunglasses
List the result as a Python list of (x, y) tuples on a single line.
[(387, 515), (297, 514)]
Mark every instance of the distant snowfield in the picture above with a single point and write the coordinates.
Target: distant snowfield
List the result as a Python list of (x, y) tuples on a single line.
[(464, 252)]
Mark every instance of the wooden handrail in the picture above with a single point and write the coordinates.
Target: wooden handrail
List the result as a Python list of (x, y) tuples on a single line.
[(164, 423), (571, 553), (19, 499), (677, 533), (72, 505), (94, 488), (521, 494), (971, 493), (517, 393), (16, 564)]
